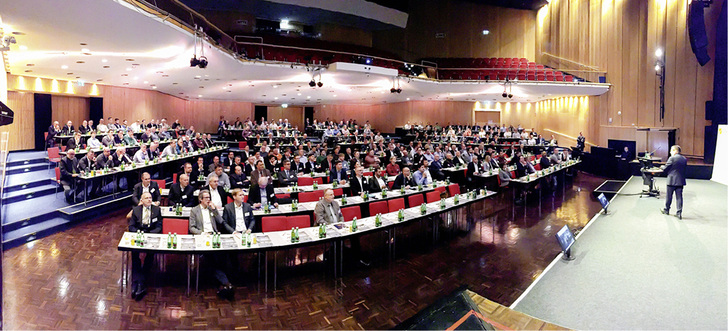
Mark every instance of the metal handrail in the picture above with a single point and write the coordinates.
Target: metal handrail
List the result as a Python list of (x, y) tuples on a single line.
[(593, 68)]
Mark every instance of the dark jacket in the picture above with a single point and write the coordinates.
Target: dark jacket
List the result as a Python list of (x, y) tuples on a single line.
[(675, 170), (177, 195), (155, 220), (287, 181), (84, 164), (400, 182), (254, 194), (71, 144), (333, 176), (374, 184), (220, 191), (229, 217), (356, 188), (102, 161), (68, 168), (137, 195), (238, 181)]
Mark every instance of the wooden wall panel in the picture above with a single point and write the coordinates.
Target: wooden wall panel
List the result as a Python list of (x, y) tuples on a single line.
[(485, 117), (622, 38), (293, 114), (22, 130), (67, 108)]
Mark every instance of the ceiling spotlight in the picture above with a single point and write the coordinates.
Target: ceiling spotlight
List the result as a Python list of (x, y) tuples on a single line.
[(312, 83), (393, 90), (658, 52), (399, 90), (510, 96), (486, 32), (319, 84), (203, 62), (194, 61), (505, 95)]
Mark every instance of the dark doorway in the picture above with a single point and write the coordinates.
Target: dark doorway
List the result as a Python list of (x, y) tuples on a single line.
[(43, 118), (260, 112)]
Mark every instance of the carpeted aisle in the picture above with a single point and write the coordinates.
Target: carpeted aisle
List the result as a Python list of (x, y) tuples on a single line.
[(639, 269)]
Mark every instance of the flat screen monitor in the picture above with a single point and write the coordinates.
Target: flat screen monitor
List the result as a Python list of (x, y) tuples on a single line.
[(566, 239), (603, 200)]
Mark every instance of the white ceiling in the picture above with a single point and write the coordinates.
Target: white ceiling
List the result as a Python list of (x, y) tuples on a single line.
[(147, 53)]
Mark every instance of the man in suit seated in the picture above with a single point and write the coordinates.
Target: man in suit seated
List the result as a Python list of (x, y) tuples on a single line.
[(237, 215), (221, 176), (69, 173), (404, 179), (68, 129), (338, 174), (378, 181), (238, 179), (262, 193), (218, 196), (259, 172), (675, 170), (544, 161), (199, 168), (148, 218), (146, 186), (310, 164), (327, 211), (436, 168), (181, 192), (75, 142), (358, 184), (205, 218), (474, 168), (287, 177)]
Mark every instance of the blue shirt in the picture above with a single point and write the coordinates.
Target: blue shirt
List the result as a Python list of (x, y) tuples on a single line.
[(420, 178)]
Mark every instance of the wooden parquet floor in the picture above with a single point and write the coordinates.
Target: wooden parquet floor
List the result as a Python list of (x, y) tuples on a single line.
[(70, 280)]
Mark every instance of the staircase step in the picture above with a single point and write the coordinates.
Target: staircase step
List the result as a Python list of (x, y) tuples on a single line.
[(29, 193), (26, 212), (29, 233), (27, 162), (26, 168), (26, 185), (13, 180)]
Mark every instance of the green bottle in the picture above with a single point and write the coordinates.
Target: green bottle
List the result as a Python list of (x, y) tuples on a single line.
[(378, 220), (401, 190), (353, 225), (297, 237), (442, 204), (169, 240), (384, 193), (343, 200), (456, 199), (423, 208), (293, 235), (174, 241), (400, 215)]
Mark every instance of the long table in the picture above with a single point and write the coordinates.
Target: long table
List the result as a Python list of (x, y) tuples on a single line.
[(195, 245), (135, 167)]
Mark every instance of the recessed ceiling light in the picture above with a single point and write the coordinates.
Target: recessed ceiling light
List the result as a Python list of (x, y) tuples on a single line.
[(107, 67), (126, 83), (80, 62), (154, 87), (130, 60), (28, 70), (198, 76), (99, 80), (165, 75), (83, 44), (104, 60), (29, 65), (199, 95), (146, 82), (299, 93), (136, 77), (69, 73), (18, 33), (175, 83), (408, 99), (486, 32), (64, 67), (124, 75), (23, 47), (308, 97), (128, 69), (334, 95), (276, 98), (85, 50), (275, 86)]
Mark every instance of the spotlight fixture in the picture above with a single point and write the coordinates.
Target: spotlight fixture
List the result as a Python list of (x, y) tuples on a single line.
[(319, 84), (505, 95), (510, 96), (399, 90), (393, 90), (202, 61), (312, 83)]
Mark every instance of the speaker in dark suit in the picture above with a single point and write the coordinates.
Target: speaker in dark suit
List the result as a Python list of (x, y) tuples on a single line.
[(675, 170)]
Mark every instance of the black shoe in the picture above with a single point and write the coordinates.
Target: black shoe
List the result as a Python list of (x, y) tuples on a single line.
[(679, 216), (226, 291), (664, 211), (141, 292), (134, 289)]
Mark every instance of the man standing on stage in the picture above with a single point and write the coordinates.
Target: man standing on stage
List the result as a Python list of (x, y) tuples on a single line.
[(675, 170)]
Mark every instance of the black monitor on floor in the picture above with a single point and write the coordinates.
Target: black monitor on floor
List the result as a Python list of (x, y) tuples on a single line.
[(566, 240), (604, 202)]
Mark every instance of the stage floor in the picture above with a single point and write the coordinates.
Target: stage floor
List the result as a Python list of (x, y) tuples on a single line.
[(638, 269)]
